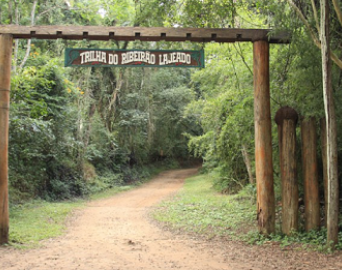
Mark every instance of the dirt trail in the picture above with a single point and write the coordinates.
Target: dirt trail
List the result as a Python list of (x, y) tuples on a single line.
[(116, 233)]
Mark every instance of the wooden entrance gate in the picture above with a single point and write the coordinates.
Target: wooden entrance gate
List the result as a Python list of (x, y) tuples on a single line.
[(261, 39)]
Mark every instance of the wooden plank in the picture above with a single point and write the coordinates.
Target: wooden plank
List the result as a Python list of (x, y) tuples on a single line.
[(84, 57), (143, 33)]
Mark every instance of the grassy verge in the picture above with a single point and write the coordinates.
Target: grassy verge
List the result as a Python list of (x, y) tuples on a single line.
[(38, 220), (199, 208)]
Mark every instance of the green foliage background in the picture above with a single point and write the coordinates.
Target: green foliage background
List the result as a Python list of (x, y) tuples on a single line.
[(76, 130)]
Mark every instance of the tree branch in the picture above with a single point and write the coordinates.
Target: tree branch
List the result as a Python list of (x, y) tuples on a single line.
[(315, 16), (338, 11), (314, 38), (124, 47), (28, 49), (336, 60), (10, 12), (33, 12), (54, 7), (16, 41), (306, 23), (242, 57)]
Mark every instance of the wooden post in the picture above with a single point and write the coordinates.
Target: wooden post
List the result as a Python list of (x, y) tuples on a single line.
[(286, 119), (309, 157), (6, 42), (263, 138)]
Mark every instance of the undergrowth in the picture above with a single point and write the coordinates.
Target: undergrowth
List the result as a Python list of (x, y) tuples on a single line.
[(129, 176), (34, 220), (313, 240), (200, 209), (38, 220)]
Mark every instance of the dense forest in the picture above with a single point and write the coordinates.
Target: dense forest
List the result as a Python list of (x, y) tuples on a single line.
[(80, 130)]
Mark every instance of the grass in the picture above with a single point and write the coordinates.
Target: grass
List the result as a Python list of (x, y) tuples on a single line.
[(199, 208), (312, 240), (38, 220)]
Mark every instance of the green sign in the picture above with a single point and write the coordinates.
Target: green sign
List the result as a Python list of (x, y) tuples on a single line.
[(133, 58)]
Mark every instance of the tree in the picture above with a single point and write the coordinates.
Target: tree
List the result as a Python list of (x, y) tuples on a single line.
[(332, 165), (319, 33), (316, 31), (323, 31), (224, 108)]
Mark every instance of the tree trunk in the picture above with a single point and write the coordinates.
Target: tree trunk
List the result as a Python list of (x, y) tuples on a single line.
[(10, 12), (286, 119), (324, 161), (247, 161), (5, 83), (91, 112), (329, 108), (28, 49), (309, 157), (263, 139), (16, 45)]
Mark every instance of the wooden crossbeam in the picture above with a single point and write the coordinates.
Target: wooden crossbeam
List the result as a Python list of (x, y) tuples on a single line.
[(143, 33)]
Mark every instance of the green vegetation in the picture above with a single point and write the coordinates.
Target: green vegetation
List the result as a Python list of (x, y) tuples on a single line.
[(201, 209), (80, 131), (38, 220), (75, 131), (313, 240), (104, 187)]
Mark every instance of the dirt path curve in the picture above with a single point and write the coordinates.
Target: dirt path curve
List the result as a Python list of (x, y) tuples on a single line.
[(116, 233)]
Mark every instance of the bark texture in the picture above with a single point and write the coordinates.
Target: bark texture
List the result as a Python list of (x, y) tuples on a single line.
[(263, 139), (286, 119), (6, 42), (309, 160), (330, 116)]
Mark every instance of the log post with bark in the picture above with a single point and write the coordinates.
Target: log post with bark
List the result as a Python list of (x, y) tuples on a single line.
[(6, 42), (309, 160), (263, 138), (286, 119)]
